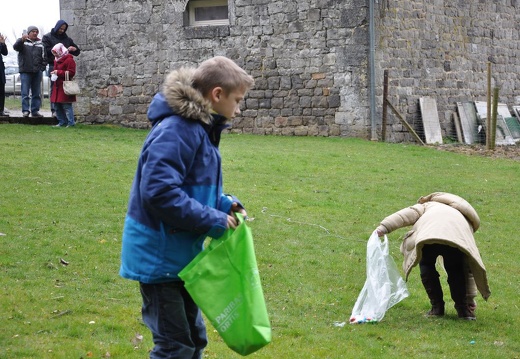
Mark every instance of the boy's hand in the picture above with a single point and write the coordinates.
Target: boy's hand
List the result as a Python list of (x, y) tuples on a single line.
[(232, 222), (236, 208)]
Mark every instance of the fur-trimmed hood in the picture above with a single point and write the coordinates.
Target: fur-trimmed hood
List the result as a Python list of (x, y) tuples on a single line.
[(454, 201), (180, 98)]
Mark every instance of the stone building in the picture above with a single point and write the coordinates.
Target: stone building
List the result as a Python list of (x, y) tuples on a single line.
[(309, 58)]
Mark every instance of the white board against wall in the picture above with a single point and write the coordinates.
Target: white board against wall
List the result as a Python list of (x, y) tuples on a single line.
[(468, 121), (430, 118)]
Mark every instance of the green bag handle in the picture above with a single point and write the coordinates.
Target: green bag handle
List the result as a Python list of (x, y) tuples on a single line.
[(240, 218), (214, 242)]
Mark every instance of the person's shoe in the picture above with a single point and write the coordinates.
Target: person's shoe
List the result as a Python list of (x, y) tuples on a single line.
[(465, 312), (58, 125), (26, 114), (436, 311), (36, 114)]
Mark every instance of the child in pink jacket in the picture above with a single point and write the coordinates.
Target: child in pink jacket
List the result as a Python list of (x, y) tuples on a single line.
[(63, 62)]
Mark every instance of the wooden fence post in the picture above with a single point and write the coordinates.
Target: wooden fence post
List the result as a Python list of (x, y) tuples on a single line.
[(488, 116), (385, 111)]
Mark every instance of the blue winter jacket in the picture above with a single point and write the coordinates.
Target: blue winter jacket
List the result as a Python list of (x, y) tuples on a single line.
[(176, 199)]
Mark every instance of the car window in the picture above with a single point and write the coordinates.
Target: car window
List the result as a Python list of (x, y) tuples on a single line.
[(11, 70)]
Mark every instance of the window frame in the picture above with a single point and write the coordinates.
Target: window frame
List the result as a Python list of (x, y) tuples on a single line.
[(193, 4)]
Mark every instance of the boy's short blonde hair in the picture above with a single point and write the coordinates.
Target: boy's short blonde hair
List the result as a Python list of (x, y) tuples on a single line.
[(219, 71)]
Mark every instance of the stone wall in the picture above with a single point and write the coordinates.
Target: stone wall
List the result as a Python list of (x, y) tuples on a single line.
[(309, 59), (441, 49)]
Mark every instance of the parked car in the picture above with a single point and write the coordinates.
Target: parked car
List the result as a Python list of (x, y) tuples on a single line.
[(13, 85)]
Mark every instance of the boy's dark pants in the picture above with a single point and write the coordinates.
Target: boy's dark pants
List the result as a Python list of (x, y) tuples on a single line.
[(454, 264), (175, 321)]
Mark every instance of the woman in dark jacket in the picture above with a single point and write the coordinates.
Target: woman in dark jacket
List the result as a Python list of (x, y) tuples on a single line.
[(3, 51), (63, 63)]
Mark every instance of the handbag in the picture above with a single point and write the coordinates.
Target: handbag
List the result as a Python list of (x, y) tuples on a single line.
[(384, 286), (70, 87), (224, 282)]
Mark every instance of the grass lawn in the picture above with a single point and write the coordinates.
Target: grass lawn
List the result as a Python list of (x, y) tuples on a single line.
[(15, 103), (315, 201)]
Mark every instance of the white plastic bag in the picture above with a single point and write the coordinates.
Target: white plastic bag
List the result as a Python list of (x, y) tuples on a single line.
[(384, 286)]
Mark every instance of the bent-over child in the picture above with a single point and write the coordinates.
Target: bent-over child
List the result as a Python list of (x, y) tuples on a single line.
[(443, 225)]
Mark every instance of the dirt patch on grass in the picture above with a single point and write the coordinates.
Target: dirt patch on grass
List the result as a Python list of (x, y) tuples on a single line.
[(510, 152)]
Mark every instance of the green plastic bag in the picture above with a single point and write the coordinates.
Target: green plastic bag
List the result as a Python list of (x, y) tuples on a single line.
[(224, 282)]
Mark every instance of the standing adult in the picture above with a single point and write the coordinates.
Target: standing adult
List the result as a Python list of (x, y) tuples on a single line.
[(31, 64), (63, 63), (3, 52), (58, 35)]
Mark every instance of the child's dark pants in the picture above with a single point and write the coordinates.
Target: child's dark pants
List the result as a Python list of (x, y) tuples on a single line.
[(454, 264), (175, 321)]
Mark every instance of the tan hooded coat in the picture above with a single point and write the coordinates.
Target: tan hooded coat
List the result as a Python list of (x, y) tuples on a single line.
[(442, 218)]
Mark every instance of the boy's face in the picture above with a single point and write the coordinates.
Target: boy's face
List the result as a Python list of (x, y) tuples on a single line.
[(227, 105)]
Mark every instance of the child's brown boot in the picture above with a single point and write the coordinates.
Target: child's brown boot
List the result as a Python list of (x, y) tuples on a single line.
[(465, 311)]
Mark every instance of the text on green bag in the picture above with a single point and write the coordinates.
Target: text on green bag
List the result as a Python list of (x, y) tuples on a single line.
[(225, 319)]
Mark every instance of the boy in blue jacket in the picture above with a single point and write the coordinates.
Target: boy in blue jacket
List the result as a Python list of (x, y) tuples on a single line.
[(176, 200)]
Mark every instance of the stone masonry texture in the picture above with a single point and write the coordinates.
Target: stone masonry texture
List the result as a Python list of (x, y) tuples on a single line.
[(309, 58)]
